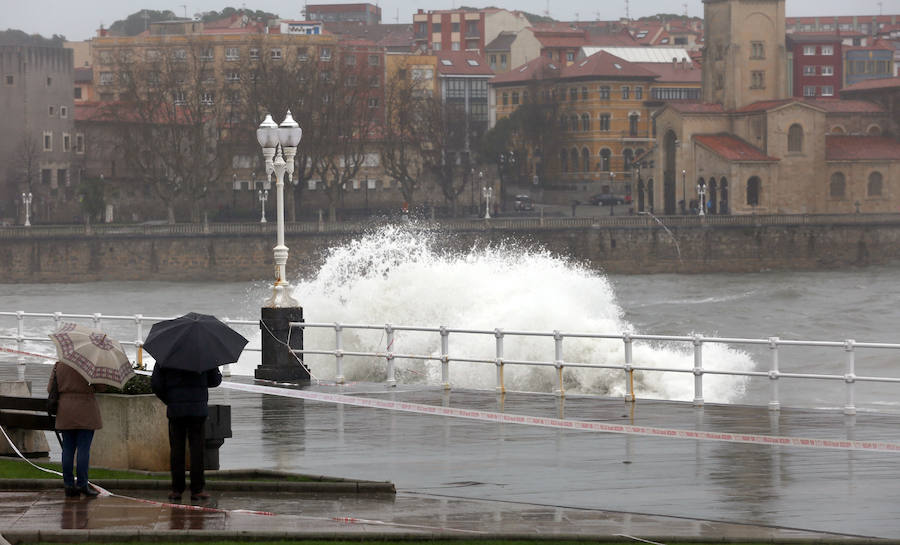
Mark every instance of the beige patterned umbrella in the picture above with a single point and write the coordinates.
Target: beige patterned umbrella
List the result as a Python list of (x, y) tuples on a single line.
[(98, 358)]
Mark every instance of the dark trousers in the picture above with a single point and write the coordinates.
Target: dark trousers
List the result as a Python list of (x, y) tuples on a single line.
[(76, 442), (193, 429)]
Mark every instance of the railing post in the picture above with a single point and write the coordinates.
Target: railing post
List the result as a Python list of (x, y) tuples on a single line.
[(338, 354), (20, 345), (629, 370), (698, 371), (498, 335), (57, 319), (389, 355), (558, 362), (850, 377), (445, 358), (226, 369), (98, 320), (774, 403), (139, 341)]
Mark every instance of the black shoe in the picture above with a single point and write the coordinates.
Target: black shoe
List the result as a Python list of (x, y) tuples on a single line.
[(175, 495), (88, 492), (199, 495), (72, 492)]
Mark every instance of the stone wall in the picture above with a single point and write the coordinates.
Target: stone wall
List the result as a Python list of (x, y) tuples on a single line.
[(629, 250)]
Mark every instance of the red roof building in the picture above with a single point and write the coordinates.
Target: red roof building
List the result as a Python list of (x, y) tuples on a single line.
[(732, 148)]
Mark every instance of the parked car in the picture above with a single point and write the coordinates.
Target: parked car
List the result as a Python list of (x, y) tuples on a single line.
[(523, 202), (606, 199)]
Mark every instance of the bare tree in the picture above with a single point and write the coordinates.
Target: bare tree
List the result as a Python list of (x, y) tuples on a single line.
[(444, 156), (173, 112), (406, 100), (23, 167)]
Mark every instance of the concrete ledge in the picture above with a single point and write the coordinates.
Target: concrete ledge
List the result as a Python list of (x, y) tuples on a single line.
[(315, 487)]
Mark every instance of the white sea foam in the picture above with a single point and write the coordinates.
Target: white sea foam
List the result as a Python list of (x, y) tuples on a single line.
[(405, 276)]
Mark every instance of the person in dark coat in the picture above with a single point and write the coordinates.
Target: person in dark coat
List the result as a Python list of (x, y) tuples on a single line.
[(186, 396), (77, 417)]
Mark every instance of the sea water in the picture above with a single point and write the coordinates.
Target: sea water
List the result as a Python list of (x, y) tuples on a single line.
[(405, 275)]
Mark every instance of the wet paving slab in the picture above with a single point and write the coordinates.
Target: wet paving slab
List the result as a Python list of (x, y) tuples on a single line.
[(486, 476)]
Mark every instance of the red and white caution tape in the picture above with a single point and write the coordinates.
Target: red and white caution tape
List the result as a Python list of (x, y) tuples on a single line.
[(579, 425), (22, 353)]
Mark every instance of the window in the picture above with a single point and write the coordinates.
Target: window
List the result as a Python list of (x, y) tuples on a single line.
[(152, 55), (754, 187), (795, 138), (573, 94), (180, 54), (585, 122), (505, 99), (604, 122), (46, 176), (633, 124), (63, 112), (757, 50), (51, 110), (350, 60), (275, 53), (67, 142), (206, 54), (454, 27), (78, 93), (436, 46), (585, 160), (827, 70), (454, 46), (628, 156), (639, 93), (604, 93), (178, 97), (303, 54), (435, 27), (62, 177), (502, 62), (584, 93), (838, 185), (605, 155), (374, 60), (207, 97), (827, 90), (757, 79), (626, 92), (827, 50), (873, 189), (254, 53), (809, 50), (10, 79), (325, 54), (373, 102), (48, 141), (570, 56), (809, 90), (515, 97), (233, 76), (106, 78), (493, 62), (809, 70), (311, 184), (374, 81), (79, 143), (232, 54)]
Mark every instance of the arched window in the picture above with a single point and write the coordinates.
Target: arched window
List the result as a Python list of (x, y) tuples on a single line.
[(723, 198), (564, 161), (584, 93), (874, 130), (628, 155), (837, 129), (585, 160), (573, 122), (574, 162), (754, 187), (795, 138), (873, 189), (585, 122), (573, 94), (605, 154), (633, 124), (564, 123), (838, 187)]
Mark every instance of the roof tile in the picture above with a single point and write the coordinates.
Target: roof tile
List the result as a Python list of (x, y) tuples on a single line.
[(732, 148), (850, 148)]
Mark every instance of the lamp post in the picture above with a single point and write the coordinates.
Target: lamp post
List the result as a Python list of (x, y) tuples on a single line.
[(612, 202), (27, 198), (487, 192), (683, 193), (701, 192), (263, 195), (279, 146)]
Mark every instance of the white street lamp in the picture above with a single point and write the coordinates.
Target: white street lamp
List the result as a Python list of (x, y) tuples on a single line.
[(263, 195), (27, 198), (701, 191), (279, 146), (488, 192)]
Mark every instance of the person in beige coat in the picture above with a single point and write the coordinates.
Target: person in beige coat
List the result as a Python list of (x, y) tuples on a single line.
[(76, 419)]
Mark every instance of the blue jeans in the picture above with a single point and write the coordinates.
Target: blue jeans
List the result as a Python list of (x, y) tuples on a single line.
[(76, 442)]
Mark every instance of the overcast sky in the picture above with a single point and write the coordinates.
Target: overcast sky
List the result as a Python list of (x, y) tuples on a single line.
[(79, 19)]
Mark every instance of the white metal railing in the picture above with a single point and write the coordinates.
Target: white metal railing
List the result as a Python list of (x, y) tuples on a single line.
[(628, 366), (97, 322), (391, 353)]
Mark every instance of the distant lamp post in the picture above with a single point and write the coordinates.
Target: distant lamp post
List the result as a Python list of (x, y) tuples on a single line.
[(263, 195), (488, 192), (612, 202), (27, 198), (683, 192), (279, 363), (701, 192)]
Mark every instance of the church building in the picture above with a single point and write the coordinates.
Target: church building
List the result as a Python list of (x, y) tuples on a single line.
[(748, 147)]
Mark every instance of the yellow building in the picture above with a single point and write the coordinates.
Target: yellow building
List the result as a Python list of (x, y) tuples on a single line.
[(603, 105)]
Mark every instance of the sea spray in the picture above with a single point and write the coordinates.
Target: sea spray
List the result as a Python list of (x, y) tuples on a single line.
[(406, 275)]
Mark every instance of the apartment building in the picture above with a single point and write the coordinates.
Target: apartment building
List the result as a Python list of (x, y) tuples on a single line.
[(463, 30)]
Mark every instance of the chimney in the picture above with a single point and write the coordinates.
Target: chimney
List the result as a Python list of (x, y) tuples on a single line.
[(674, 62), (683, 63)]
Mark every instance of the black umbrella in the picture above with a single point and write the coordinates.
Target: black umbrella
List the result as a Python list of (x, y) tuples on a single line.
[(194, 342)]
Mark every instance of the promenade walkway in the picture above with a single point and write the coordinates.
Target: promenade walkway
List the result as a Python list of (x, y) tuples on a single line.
[(460, 476)]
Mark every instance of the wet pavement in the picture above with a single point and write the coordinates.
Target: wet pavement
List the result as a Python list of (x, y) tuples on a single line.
[(462, 476)]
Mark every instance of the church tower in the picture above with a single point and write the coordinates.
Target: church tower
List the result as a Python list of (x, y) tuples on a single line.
[(744, 60)]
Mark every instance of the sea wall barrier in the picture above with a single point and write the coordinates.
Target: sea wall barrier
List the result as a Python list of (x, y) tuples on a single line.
[(617, 244)]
